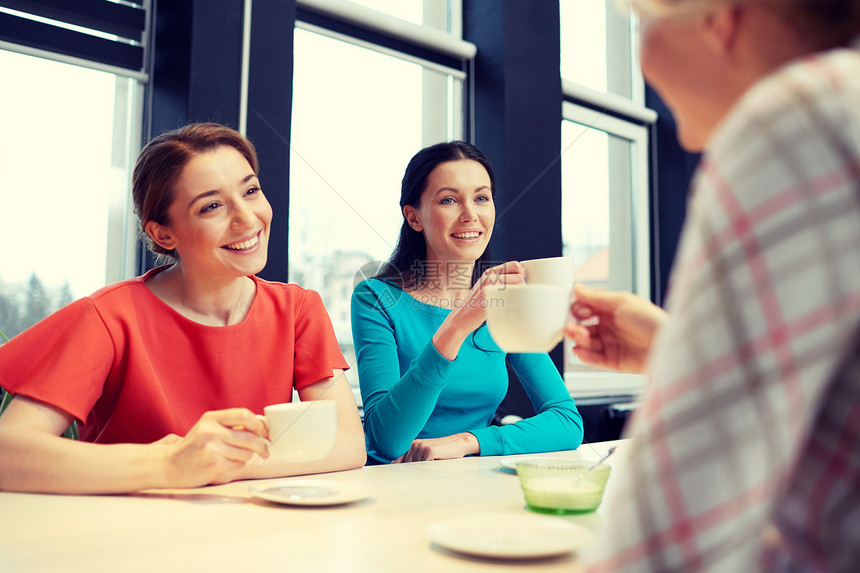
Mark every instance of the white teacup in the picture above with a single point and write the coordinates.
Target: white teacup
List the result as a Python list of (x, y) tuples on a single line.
[(527, 318), (552, 271), (301, 431)]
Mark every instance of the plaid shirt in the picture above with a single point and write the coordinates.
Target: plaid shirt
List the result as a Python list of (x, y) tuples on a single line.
[(746, 446)]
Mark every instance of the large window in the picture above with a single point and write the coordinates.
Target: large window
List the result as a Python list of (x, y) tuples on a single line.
[(70, 127), (65, 153), (598, 48), (604, 219), (360, 112), (605, 169), (605, 200)]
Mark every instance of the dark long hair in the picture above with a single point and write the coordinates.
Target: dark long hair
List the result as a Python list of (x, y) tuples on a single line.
[(404, 267)]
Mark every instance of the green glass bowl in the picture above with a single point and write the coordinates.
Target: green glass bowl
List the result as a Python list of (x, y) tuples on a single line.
[(562, 487)]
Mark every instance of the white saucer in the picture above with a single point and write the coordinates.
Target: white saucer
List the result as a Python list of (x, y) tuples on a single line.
[(509, 536), (510, 462), (313, 492)]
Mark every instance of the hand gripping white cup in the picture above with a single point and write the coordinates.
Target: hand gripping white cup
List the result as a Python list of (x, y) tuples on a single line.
[(527, 318), (301, 431), (552, 271)]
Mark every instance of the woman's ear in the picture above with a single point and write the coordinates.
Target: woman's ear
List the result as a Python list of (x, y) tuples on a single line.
[(161, 235), (411, 215), (719, 28)]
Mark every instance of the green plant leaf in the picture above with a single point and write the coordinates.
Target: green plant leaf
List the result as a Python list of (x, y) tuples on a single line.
[(5, 398)]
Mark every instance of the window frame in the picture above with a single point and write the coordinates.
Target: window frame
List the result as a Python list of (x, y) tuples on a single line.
[(629, 119), (432, 49), (622, 55), (65, 28), (605, 383)]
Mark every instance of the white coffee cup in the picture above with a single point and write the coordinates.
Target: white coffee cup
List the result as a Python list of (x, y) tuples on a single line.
[(527, 318), (301, 431), (552, 271)]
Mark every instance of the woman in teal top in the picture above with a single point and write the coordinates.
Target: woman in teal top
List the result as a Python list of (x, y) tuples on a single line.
[(431, 376)]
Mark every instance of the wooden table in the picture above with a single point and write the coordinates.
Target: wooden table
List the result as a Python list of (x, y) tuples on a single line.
[(224, 528)]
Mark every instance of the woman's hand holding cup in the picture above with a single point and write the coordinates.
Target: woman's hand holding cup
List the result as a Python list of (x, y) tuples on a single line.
[(473, 310), (530, 317), (470, 313), (220, 443)]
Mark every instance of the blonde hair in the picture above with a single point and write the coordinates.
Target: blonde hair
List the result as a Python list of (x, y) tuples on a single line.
[(828, 23)]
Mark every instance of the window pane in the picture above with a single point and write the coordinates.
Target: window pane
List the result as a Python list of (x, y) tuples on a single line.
[(596, 47), (358, 117), (597, 208), (63, 169)]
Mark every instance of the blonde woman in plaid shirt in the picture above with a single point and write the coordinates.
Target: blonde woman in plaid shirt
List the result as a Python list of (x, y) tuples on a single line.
[(746, 446)]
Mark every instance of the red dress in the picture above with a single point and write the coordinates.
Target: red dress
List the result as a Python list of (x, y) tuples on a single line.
[(132, 369)]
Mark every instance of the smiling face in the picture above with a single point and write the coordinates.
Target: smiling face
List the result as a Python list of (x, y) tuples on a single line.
[(456, 212), (219, 219)]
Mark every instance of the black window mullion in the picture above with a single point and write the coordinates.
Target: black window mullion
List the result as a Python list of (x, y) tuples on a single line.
[(22, 31), (108, 17)]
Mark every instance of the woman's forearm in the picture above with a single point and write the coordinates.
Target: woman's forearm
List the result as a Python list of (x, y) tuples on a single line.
[(36, 459), (39, 462), (395, 416)]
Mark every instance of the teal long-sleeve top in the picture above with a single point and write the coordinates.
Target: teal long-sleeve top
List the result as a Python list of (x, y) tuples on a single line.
[(411, 391)]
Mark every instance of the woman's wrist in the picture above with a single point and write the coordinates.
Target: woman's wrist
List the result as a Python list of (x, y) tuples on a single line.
[(473, 446), (449, 338), (161, 469)]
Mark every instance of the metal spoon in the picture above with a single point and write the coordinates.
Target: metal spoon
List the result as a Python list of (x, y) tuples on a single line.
[(597, 463)]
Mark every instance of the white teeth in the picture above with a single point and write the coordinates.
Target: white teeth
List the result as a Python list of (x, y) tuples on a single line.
[(243, 245), (471, 235)]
